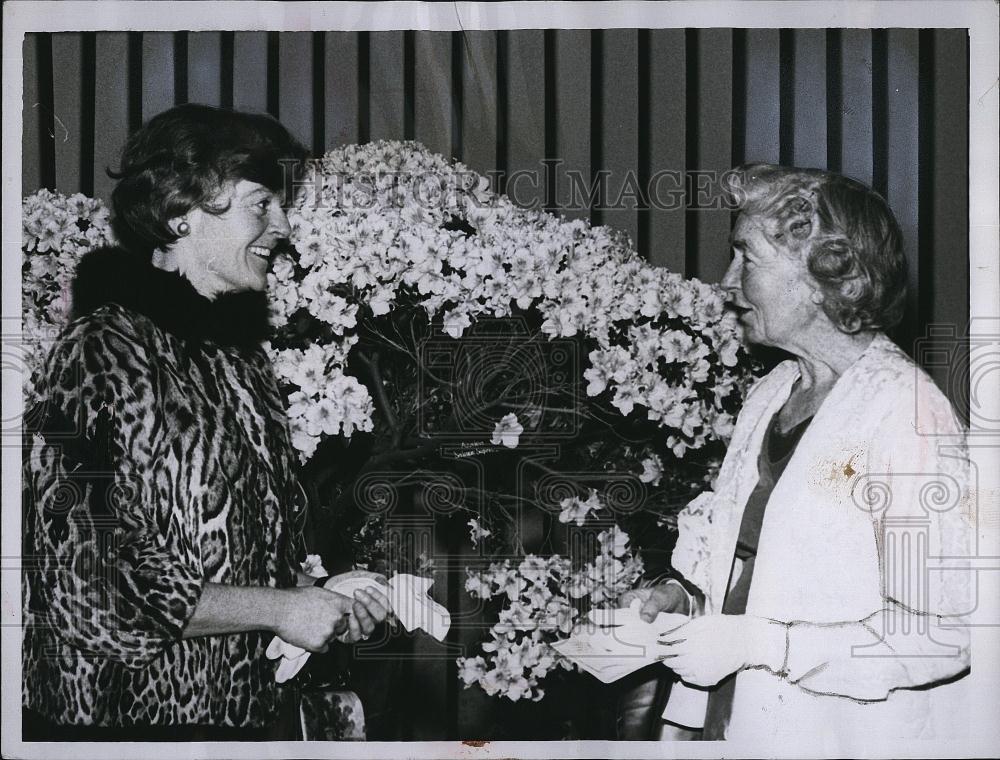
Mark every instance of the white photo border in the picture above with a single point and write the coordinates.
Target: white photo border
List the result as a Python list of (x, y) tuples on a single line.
[(980, 17)]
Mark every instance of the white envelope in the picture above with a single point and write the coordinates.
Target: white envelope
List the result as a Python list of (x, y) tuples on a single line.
[(412, 604), (618, 643), (408, 600)]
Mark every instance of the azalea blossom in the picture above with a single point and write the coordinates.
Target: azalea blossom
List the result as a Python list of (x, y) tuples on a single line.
[(477, 531), (614, 541), (477, 585), (575, 509), (507, 431), (471, 669), (379, 229), (652, 470)]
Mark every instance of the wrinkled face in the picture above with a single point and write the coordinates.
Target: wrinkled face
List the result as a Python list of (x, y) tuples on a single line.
[(769, 287), (230, 251)]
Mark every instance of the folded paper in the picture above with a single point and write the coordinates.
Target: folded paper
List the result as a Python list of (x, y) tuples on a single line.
[(408, 599), (617, 642)]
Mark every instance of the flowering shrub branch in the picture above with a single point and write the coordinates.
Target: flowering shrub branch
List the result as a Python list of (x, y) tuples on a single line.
[(403, 257)]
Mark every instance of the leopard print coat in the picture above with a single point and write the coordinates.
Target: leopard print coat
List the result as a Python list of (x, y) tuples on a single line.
[(158, 460)]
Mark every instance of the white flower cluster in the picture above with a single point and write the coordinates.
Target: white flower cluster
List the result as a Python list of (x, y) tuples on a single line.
[(385, 223), (56, 230), (575, 509), (539, 594)]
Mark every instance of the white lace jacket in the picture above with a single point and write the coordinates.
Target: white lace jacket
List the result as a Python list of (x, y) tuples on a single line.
[(862, 548)]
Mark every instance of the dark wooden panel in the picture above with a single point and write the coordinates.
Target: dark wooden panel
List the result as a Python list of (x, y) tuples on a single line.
[(387, 94), (479, 100), (250, 71), (708, 225), (67, 58), (947, 263), (31, 162), (342, 102), (903, 157), (667, 136), (204, 68), (763, 78), (856, 104), (432, 111), (809, 94), (110, 108), (157, 73), (619, 135), (572, 51), (525, 117), (295, 75)]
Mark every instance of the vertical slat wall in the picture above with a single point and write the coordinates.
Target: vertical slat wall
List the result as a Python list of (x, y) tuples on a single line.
[(761, 128), (158, 74), (476, 67), (295, 83), (662, 227), (618, 140), (570, 52), (342, 89), (111, 107), (250, 72), (32, 177), (386, 94), (852, 109), (68, 109), (204, 66), (709, 148), (523, 71), (888, 107), (433, 112)]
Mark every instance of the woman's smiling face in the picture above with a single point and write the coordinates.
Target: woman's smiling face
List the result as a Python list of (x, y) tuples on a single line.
[(230, 252), (770, 287)]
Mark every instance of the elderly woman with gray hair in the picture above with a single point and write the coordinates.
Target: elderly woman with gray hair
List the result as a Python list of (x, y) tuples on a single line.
[(815, 615)]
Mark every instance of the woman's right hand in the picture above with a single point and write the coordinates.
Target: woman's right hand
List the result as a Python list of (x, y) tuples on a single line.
[(664, 597), (310, 617)]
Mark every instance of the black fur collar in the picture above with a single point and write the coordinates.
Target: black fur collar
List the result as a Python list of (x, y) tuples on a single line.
[(114, 275)]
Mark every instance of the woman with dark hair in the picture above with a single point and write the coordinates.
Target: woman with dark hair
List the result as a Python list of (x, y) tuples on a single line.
[(806, 566), (162, 515)]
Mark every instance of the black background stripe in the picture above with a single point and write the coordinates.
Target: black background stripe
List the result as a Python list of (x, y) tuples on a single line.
[(786, 123), (88, 88), (691, 146), (227, 45), (834, 100), (880, 92), (134, 80), (318, 93), (46, 113), (272, 74), (180, 67)]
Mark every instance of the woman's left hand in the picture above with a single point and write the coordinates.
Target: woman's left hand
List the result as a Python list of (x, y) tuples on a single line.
[(706, 649)]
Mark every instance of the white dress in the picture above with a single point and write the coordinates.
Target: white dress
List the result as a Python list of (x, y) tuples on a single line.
[(863, 547)]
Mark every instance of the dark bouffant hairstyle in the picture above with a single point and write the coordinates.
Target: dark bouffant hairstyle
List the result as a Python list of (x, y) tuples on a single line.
[(851, 240), (179, 161)]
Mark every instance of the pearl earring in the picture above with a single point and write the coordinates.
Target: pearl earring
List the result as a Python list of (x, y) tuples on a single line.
[(817, 297), (183, 228)]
